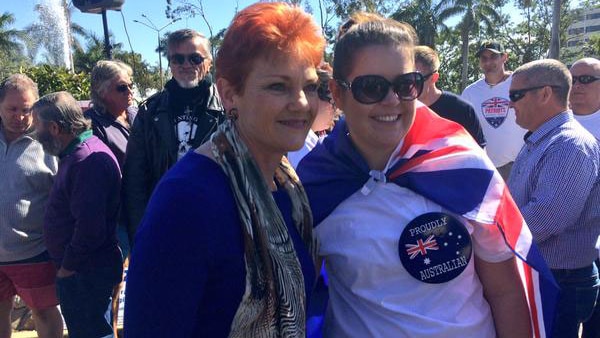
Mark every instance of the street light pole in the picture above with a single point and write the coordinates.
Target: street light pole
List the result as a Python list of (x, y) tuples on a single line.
[(157, 30)]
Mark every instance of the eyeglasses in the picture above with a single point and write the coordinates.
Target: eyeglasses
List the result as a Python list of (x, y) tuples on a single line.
[(370, 89), (179, 59), (516, 95), (425, 77), (125, 87), (585, 79)]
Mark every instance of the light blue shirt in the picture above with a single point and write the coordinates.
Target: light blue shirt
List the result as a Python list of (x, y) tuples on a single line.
[(555, 182)]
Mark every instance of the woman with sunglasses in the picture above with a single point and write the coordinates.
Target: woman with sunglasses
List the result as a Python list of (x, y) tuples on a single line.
[(405, 251), (112, 111), (229, 225), (112, 115), (324, 121)]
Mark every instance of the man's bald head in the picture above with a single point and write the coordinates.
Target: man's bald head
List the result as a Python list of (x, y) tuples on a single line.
[(585, 94)]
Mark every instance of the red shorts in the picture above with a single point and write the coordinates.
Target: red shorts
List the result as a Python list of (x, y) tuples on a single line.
[(33, 282)]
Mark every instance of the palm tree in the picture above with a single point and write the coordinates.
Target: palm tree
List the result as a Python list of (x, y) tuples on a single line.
[(476, 15), (425, 17), (85, 59), (8, 36), (43, 34)]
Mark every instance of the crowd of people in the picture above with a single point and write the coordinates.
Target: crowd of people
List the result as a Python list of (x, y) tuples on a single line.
[(231, 198)]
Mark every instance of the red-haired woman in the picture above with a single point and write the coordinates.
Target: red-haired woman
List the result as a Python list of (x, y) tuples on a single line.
[(228, 228)]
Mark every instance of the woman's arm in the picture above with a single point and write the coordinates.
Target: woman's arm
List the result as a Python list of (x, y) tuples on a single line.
[(504, 292)]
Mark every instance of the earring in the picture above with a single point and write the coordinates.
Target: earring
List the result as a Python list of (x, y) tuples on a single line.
[(232, 114)]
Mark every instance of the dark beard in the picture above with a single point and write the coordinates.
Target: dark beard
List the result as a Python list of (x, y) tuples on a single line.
[(51, 145)]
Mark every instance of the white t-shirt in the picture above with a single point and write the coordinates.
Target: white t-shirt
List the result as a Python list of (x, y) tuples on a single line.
[(498, 122), (590, 122), (373, 294), (309, 143)]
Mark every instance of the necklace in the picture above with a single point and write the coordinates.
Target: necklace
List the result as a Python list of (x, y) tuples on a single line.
[(491, 85)]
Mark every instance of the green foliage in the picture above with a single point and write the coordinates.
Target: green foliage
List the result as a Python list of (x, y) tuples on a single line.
[(343, 8), (593, 46), (52, 79), (9, 37), (424, 16), (145, 77)]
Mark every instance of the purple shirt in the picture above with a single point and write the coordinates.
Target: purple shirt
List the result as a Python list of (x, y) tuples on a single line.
[(81, 216)]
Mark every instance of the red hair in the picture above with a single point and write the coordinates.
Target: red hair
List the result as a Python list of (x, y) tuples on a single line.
[(271, 30)]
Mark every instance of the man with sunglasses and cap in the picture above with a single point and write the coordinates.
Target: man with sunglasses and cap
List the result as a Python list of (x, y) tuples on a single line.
[(489, 97), (555, 182), (444, 103), (170, 123), (585, 103)]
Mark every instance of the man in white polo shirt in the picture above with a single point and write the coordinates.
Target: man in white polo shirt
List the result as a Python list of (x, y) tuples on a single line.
[(489, 97)]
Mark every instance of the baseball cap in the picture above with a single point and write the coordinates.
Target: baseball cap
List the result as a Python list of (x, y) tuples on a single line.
[(492, 46)]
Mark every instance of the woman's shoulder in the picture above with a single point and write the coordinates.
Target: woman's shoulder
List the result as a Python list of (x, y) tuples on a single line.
[(192, 199), (192, 180)]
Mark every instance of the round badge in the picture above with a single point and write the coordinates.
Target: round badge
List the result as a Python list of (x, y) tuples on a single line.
[(435, 247)]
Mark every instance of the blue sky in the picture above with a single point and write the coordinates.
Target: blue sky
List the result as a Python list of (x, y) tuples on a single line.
[(143, 39)]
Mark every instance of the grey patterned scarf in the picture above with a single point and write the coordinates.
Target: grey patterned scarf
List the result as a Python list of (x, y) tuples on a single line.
[(274, 302)]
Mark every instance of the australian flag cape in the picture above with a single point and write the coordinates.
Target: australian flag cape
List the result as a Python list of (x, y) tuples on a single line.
[(439, 160)]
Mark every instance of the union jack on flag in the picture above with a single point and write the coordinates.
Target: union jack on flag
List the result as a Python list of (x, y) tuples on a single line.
[(439, 160), (496, 102), (421, 247)]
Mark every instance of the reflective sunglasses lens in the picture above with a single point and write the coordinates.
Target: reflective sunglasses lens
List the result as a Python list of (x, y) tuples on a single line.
[(370, 88), (516, 96), (585, 79), (409, 86), (195, 59)]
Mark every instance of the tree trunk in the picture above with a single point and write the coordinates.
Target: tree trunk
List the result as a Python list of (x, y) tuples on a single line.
[(555, 40), (464, 35)]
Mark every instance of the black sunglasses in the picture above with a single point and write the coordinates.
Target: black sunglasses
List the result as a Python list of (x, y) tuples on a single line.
[(585, 79), (425, 77), (516, 95), (370, 89), (179, 59), (123, 88)]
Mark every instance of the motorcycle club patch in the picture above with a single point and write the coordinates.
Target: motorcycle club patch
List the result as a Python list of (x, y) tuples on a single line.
[(435, 247)]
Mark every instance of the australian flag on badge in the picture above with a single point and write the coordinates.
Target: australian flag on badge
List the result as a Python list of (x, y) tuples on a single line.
[(439, 160), (495, 110)]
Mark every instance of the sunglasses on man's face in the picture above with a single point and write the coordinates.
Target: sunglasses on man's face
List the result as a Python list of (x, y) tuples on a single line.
[(585, 79), (370, 89), (125, 87), (516, 95), (179, 59)]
